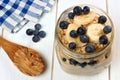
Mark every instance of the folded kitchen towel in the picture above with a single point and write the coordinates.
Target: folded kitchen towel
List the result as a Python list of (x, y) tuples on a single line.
[(49, 5), (13, 12), (10, 21)]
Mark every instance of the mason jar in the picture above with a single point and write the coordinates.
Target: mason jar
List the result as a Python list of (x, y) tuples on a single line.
[(78, 63)]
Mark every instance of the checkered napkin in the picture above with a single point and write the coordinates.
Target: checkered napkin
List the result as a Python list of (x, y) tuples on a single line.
[(14, 14)]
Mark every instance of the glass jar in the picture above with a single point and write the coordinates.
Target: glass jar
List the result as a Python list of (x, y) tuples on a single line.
[(85, 64)]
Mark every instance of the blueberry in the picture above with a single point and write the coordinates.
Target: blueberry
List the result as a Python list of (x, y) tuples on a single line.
[(107, 29), (89, 48), (77, 10), (29, 32), (103, 39), (102, 19), (64, 59), (81, 30), (86, 10), (71, 15), (84, 38), (72, 45), (37, 26), (35, 32), (36, 38), (73, 62), (42, 34), (82, 64), (73, 34), (106, 56), (92, 62), (63, 24)]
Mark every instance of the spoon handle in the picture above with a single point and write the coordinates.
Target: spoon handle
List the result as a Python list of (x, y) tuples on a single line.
[(2, 41)]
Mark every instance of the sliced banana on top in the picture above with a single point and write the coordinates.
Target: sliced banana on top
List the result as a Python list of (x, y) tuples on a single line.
[(69, 29), (69, 38), (84, 19), (109, 36), (94, 31)]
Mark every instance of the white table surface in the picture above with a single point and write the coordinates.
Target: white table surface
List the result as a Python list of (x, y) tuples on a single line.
[(46, 46)]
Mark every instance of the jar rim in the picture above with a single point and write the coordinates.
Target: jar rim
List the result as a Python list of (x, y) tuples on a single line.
[(86, 55)]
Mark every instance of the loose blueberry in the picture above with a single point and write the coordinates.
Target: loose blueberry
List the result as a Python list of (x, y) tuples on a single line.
[(107, 29), (84, 38), (81, 30), (86, 10), (73, 34), (64, 59), (103, 39), (71, 15), (82, 64), (29, 32), (63, 24), (36, 38), (73, 62), (92, 62), (102, 19), (37, 27), (77, 10), (35, 32), (42, 34), (89, 48), (72, 45)]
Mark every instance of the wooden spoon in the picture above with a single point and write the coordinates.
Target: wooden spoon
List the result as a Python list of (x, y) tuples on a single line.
[(26, 59)]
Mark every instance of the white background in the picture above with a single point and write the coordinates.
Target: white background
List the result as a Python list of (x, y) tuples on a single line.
[(45, 47)]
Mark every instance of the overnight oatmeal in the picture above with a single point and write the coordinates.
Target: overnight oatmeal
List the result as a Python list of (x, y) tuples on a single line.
[(84, 35)]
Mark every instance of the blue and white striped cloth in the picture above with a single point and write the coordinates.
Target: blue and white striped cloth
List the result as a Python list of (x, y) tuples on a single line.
[(14, 14)]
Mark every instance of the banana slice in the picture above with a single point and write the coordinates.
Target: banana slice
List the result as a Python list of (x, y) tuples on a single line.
[(109, 36), (84, 19), (69, 38), (94, 31), (69, 29)]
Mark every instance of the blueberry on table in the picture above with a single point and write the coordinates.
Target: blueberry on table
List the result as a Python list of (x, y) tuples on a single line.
[(63, 24), (77, 10), (92, 62), (86, 10), (72, 45), (42, 34), (73, 62), (89, 48), (84, 38), (81, 30), (82, 64), (36, 39), (37, 26), (107, 29), (103, 39), (35, 32), (71, 15), (29, 32), (102, 19), (73, 34)]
